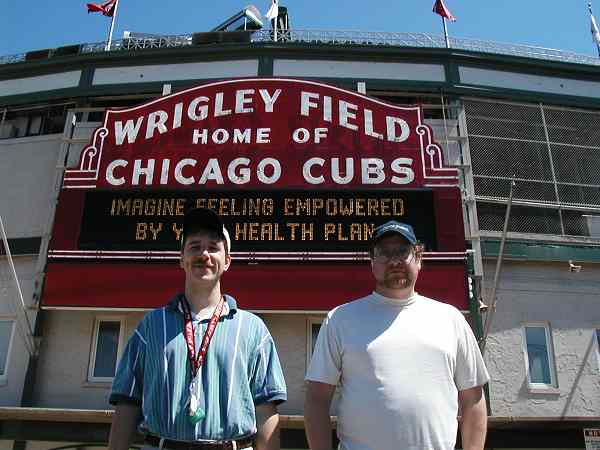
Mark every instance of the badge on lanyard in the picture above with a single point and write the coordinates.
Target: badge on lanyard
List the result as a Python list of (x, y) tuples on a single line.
[(195, 412)]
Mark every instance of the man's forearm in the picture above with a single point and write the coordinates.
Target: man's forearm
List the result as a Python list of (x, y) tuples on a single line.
[(267, 426), (318, 426), (473, 426), (124, 426)]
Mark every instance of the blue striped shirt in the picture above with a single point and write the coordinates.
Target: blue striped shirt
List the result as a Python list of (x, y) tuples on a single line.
[(241, 370)]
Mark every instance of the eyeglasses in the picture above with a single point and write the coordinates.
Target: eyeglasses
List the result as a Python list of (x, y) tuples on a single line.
[(403, 254)]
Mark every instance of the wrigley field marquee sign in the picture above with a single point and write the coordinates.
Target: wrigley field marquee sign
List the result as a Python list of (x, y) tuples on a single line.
[(292, 166)]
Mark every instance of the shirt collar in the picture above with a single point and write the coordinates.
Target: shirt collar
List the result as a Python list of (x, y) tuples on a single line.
[(175, 303)]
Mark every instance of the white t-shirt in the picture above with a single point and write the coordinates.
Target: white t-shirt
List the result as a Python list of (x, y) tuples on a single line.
[(400, 365)]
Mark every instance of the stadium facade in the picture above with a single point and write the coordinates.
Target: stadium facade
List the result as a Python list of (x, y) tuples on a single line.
[(493, 152)]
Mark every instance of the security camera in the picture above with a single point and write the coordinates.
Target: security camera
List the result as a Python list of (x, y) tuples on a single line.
[(574, 267)]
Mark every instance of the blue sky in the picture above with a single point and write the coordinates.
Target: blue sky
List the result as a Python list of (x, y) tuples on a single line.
[(555, 24)]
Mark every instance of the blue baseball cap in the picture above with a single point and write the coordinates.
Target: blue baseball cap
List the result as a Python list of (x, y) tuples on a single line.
[(391, 227)]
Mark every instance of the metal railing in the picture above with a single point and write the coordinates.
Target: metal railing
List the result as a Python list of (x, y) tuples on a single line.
[(370, 38)]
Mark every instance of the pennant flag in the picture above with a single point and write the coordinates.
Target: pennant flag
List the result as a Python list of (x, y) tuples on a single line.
[(273, 11), (595, 31), (440, 8), (107, 8)]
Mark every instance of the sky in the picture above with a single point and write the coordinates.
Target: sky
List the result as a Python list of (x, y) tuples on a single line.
[(563, 25)]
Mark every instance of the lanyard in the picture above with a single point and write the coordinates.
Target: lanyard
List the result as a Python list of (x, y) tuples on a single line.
[(190, 339)]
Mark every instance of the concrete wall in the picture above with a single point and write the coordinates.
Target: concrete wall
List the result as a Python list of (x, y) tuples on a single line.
[(65, 353), (62, 376), (570, 303), (11, 387)]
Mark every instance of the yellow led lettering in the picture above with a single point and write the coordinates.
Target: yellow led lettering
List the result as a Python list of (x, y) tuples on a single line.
[(224, 207), (317, 205), (307, 231), (341, 236), (368, 229), (177, 232), (329, 230), (212, 203), (302, 207), (360, 206), (384, 204), (268, 206), (253, 231), (138, 207), (241, 231), (155, 230), (150, 207), (278, 236), (293, 226), (266, 232), (141, 231), (180, 207), (168, 207), (234, 204), (331, 207), (355, 232), (347, 208), (372, 207), (288, 207), (398, 207), (254, 207)]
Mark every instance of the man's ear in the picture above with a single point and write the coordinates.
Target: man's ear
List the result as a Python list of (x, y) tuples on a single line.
[(227, 261)]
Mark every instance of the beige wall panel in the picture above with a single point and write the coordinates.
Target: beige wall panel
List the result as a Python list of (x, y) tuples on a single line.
[(529, 82), (40, 83), (289, 333), (570, 302), (358, 70), (175, 72), (27, 171)]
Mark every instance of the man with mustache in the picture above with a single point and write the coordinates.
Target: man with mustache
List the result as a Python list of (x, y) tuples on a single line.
[(406, 365), (199, 373)]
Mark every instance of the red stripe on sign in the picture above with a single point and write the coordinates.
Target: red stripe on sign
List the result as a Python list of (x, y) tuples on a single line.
[(291, 287)]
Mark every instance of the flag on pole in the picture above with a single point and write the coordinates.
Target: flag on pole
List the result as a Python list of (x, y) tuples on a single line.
[(107, 8), (273, 11), (440, 8), (595, 31)]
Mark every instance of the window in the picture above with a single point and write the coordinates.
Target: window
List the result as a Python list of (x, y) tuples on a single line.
[(6, 334), (106, 349), (539, 358), (313, 325)]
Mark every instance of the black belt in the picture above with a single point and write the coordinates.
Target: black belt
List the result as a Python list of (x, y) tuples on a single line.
[(155, 441)]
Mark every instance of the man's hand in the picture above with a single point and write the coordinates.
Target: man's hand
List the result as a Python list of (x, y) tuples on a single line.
[(473, 424), (124, 426), (316, 415), (267, 424)]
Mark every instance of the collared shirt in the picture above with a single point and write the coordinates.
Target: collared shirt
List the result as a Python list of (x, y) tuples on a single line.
[(241, 370)]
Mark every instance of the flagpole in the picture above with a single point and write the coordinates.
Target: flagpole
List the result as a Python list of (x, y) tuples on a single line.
[(112, 26), (595, 33), (446, 32)]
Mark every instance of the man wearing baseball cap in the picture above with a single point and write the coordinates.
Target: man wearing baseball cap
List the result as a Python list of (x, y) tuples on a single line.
[(405, 364), (199, 373)]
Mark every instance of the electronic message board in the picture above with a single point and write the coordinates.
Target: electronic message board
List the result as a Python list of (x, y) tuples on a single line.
[(287, 221)]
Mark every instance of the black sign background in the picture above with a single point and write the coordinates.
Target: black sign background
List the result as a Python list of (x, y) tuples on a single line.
[(273, 221)]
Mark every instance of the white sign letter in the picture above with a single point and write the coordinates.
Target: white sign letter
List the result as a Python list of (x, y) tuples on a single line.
[(307, 173)]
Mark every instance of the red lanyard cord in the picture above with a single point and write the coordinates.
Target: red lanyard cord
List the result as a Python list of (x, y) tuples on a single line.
[(196, 361)]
